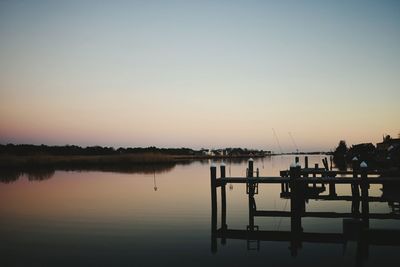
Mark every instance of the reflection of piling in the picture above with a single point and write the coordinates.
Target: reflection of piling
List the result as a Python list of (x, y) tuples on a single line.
[(213, 172)]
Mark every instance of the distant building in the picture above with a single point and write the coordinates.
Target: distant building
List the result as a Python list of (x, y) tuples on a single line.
[(387, 143), (388, 151)]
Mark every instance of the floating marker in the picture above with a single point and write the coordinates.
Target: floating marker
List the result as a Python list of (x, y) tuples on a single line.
[(363, 164)]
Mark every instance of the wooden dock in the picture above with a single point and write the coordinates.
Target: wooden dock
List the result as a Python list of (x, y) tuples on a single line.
[(299, 185)]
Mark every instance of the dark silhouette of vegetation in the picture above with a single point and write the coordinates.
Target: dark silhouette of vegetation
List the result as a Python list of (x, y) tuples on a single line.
[(363, 152), (385, 155), (339, 155), (72, 150), (39, 162)]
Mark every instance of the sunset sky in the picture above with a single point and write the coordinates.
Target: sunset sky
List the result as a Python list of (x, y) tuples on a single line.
[(199, 73)]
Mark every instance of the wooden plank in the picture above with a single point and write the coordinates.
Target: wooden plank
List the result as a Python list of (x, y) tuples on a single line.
[(324, 171), (286, 195), (336, 180), (374, 237), (323, 214), (280, 236)]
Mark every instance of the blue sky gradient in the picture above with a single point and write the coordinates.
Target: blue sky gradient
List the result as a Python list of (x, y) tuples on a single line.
[(199, 73)]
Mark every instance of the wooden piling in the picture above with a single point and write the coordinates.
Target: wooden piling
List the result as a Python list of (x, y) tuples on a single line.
[(355, 192), (250, 192), (316, 166), (250, 169), (213, 175), (325, 162), (364, 194), (332, 189), (223, 199), (296, 199), (306, 162)]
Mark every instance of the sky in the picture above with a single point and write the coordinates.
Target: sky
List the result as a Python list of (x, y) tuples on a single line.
[(199, 73)]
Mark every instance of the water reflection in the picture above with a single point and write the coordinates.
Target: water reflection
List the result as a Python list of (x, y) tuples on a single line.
[(115, 218), (40, 174)]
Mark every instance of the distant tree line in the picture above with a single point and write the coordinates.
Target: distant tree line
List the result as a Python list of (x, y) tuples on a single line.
[(73, 150)]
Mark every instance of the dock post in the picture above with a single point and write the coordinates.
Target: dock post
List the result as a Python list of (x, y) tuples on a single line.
[(316, 166), (296, 207), (332, 185), (213, 172), (332, 189), (306, 166), (355, 204), (250, 169), (223, 201), (250, 192), (364, 194), (296, 159)]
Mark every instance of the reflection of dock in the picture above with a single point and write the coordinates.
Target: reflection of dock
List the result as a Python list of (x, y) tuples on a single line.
[(300, 185)]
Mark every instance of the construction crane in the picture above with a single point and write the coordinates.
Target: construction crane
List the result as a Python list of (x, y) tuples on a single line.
[(294, 143), (277, 140)]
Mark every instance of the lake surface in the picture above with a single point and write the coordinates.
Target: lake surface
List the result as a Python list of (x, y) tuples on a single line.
[(163, 217)]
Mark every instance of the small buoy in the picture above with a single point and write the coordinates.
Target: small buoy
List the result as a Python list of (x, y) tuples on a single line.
[(363, 164), (251, 159), (213, 165), (293, 165), (223, 164)]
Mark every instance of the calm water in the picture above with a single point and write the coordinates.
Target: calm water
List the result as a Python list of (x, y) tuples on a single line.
[(163, 217)]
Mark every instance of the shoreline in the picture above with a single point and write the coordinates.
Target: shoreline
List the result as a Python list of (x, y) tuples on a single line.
[(89, 161)]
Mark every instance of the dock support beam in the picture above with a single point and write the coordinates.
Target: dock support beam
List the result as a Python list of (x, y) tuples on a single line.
[(296, 207), (364, 194), (213, 172), (223, 200), (316, 166), (355, 205), (250, 191)]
